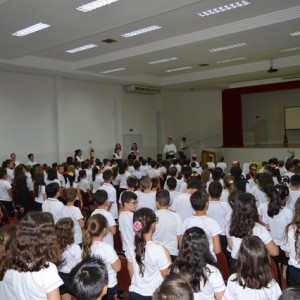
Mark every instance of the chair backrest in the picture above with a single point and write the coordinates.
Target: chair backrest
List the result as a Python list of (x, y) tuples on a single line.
[(123, 277), (117, 240), (275, 271), (223, 265)]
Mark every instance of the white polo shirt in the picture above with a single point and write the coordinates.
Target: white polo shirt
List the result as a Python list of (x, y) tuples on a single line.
[(112, 197), (126, 229), (71, 257), (288, 245), (4, 187), (182, 205), (54, 207), (146, 200)]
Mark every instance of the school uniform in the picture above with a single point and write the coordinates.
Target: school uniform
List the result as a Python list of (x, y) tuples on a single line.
[(293, 197), (182, 205), (126, 229), (137, 174), (10, 175), (147, 200), (96, 184), (39, 200), (222, 165), (259, 195), (5, 198), (54, 207), (84, 185), (112, 197), (122, 178)]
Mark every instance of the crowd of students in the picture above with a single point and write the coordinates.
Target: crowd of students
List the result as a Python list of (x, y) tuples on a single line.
[(174, 218)]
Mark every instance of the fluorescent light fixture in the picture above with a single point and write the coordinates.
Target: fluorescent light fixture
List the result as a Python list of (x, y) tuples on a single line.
[(94, 5), (228, 47), (162, 60), (82, 48), (294, 33), (179, 69), (140, 31), (30, 29), (113, 70), (290, 49), (223, 8), (224, 61)]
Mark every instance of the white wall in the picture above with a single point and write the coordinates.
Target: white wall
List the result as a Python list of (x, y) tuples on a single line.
[(268, 128), (194, 115)]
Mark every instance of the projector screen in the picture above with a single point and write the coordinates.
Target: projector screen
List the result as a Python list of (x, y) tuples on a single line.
[(292, 117)]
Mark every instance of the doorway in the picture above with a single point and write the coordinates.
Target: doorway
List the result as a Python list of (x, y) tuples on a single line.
[(128, 140)]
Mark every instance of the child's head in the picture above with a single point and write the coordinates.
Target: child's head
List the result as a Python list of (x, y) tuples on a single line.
[(193, 256), (34, 246), (81, 175), (95, 227), (52, 174), (132, 182), (289, 165), (171, 183), (70, 194), (7, 233), (194, 183), (89, 279), (253, 266), (174, 287), (52, 190), (64, 229), (3, 173), (163, 198), (129, 200), (145, 183), (295, 180), (100, 197), (229, 184), (137, 165), (107, 175), (217, 174), (215, 189), (155, 183), (144, 220), (199, 200), (274, 200)]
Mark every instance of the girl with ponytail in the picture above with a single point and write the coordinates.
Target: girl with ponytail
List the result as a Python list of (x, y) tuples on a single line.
[(96, 228), (148, 262)]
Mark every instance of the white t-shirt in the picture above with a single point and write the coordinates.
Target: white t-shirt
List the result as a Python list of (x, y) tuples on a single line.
[(211, 165), (71, 257), (183, 187), (146, 200), (222, 165), (288, 245), (224, 196), (210, 226), (4, 187), (144, 170), (75, 214), (278, 223), (293, 196), (236, 292), (126, 228), (167, 230), (109, 256), (214, 284), (54, 207), (182, 205), (84, 185), (97, 182), (259, 195), (47, 182), (170, 148), (62, 180), (10, 175), (155, 260), (137, 174), (220, 212), (262, 208), (112, 197), (42, 191), (258, 230), (29, 285), (108, 238), (122, 178)]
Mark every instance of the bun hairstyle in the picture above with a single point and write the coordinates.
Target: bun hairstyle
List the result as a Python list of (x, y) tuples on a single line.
[(94, 227), (143, 218)]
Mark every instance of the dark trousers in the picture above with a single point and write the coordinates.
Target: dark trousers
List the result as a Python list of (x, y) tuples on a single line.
[(135, 296), (111, 293), (293, 276), (9, 207)]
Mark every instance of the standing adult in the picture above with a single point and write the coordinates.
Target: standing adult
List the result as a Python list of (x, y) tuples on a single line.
[(13, 157), (134, 150), (182, 149), (78, 156), (118, 151), (31, 161), (170, 149)]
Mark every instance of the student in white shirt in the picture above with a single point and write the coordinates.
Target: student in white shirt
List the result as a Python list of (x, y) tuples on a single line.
[(71, 254), (96, 180), (122, 177), (83, 188), (93, 244), (244, 221), (39, 190), (100, 199), (168, 230), (254, 278), (137, 173), (128, 206), (290, 169), (52, 204), (196, 260), (212, 229), (31, 161), (35, 239), (13, 157), (144, 167), (228, 188), (171, 187), (6, 192), (148, 262), (221, 164), (9, 165), (276, 216), (73, 212), (291, 247), (294, 191), (147, 197), (111, 205), (170, 149), (78, 156), (263, 180)]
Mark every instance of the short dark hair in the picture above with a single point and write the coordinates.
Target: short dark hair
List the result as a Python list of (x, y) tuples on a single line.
[(70, 194), (29, 155), (88, 278), (136, 164), (199, 200), (3, 172), (52, 189), (100, 197), (163, 197), (171, 183), (132, 182), (107, 175), (215, 189), (155, 182), (127, 196), (295, 180)]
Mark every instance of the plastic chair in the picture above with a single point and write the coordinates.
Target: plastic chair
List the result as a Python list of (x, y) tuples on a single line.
[(223, 265), (123, 277), (117, 241)]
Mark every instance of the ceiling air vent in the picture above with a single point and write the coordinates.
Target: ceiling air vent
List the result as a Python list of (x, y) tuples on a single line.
[(109, 41), (139, 89)]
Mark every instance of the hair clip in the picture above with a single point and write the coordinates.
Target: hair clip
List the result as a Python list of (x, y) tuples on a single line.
[(137, 226), (1, 238)]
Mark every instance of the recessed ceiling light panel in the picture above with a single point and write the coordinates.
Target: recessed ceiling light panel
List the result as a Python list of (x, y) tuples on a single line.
[(228, 47), (162, 60), (94, 5), (30, 29), (179, 69), (294, 33), (223, 8), (290, 49), (113, 70), (82, 48), (140, 31), (224, 61)]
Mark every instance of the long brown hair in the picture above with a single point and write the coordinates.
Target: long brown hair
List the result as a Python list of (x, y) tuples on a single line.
[(65, 234), (94, 226), (146, 217), (34, 246)]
